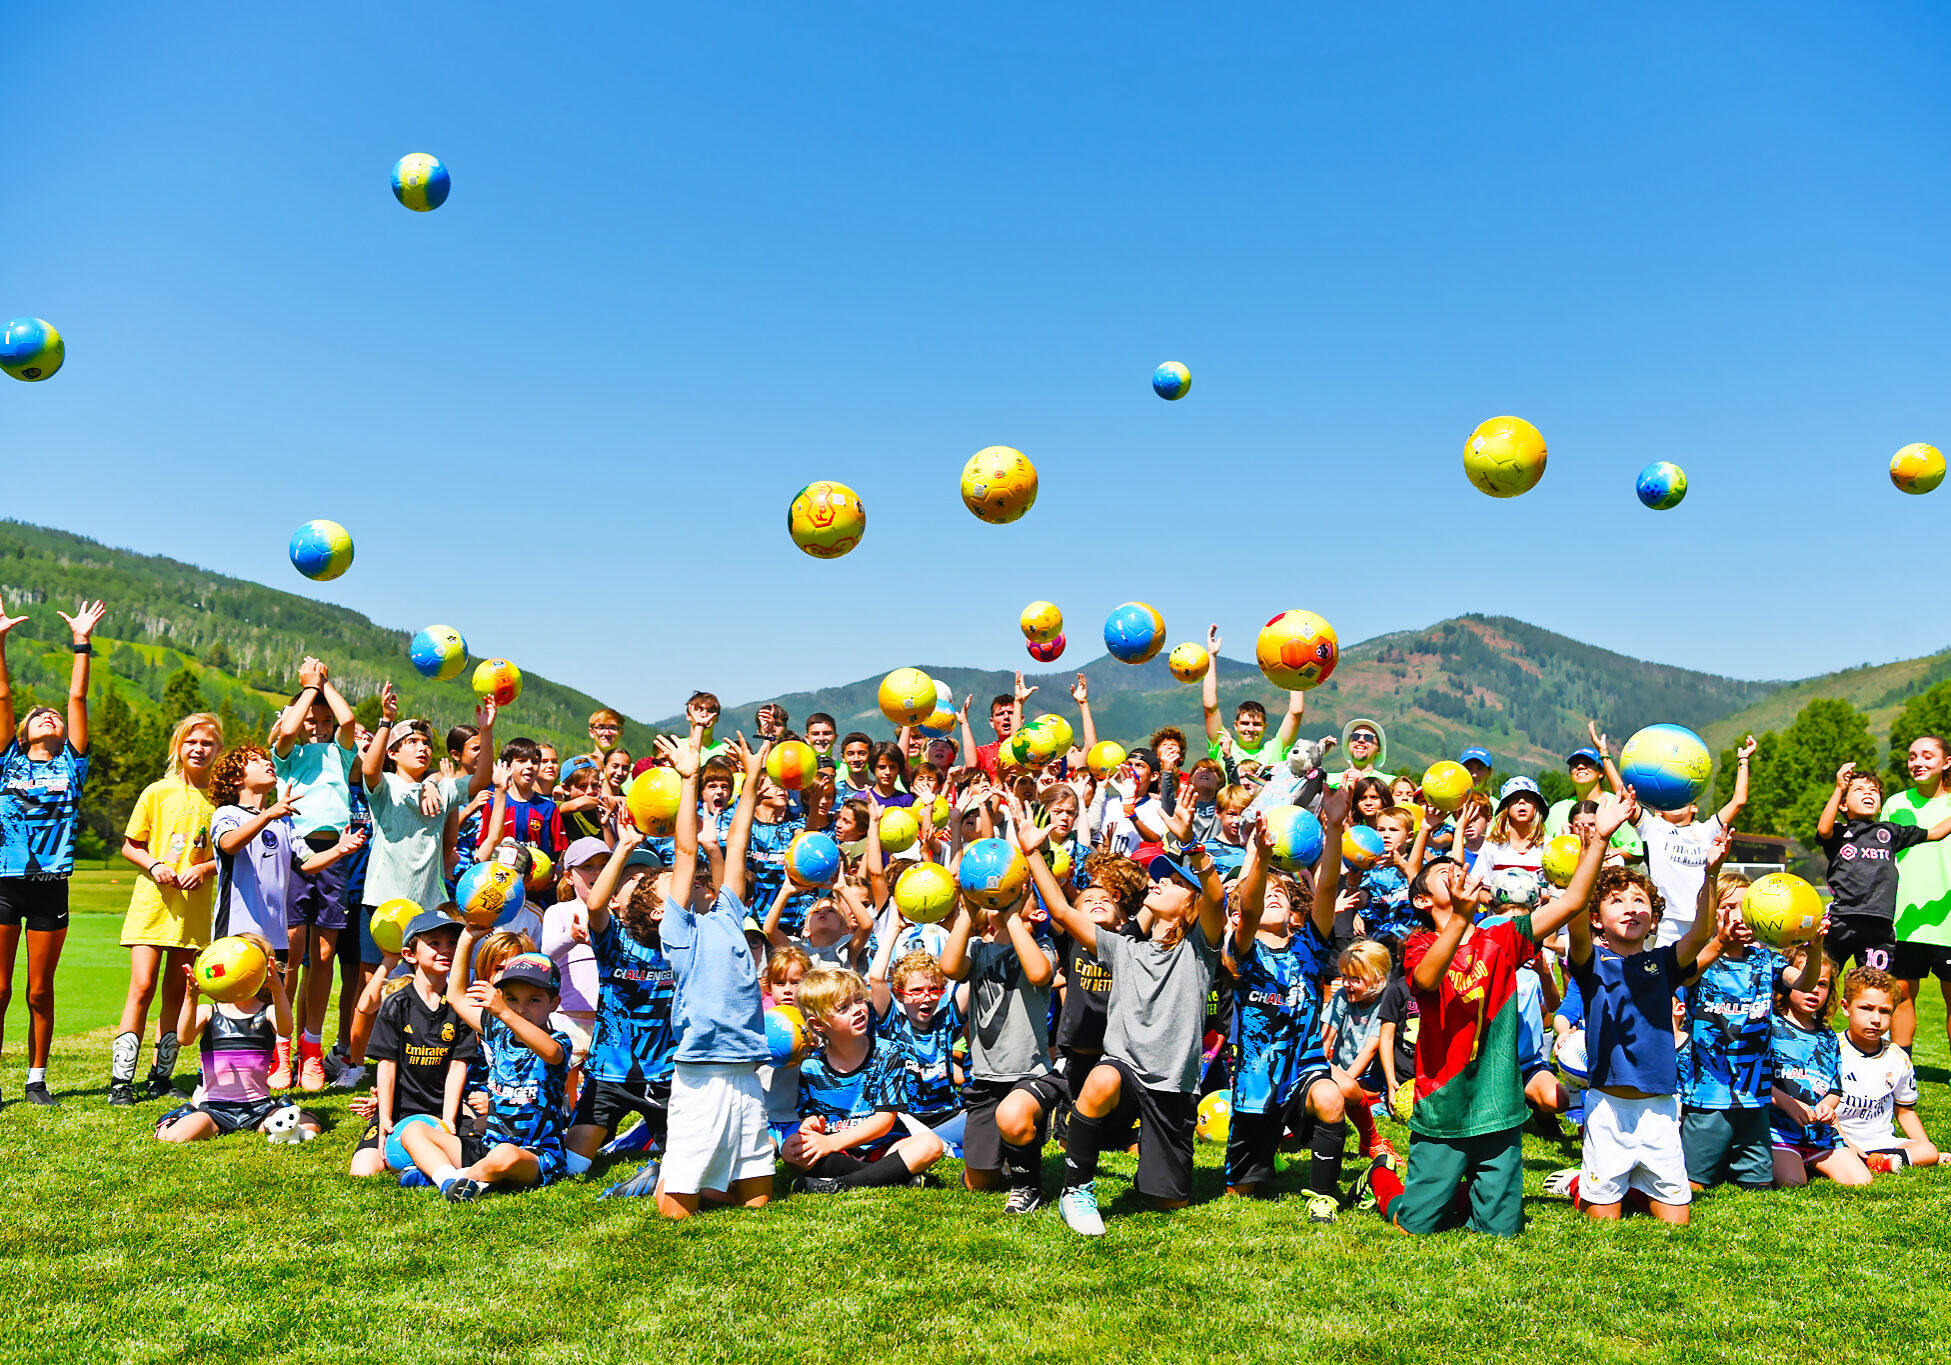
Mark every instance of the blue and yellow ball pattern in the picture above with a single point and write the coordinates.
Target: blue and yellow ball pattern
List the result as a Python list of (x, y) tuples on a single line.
[(1361, 847), (1917, 468), (1171, 381), (1134, 633), (992, 873), (812, 859), (31, 349), (787, 1038), (438, 652), (321, 550), (1661, 485), (420, 182), (1296, 837), (489, 894), (1667, 766)]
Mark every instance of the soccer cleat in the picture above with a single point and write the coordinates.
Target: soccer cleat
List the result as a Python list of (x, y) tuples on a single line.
[(413, 1178), (337, 1060), (813, 1184), (643, 1183), (280, 1078), (1023, 1199), (121, 1093), (159, 1086), (1361, 1194), (635, 1139), (37, 1093), (462, 1190), (1563, 1184), (311, 1066), (1078, 1205), (1882, 1163), (1320, 1207)]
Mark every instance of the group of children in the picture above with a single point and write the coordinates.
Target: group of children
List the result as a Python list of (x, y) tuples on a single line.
[(1169, 942)]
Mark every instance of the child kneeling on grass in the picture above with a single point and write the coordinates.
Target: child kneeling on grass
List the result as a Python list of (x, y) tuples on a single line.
[(852, 1093), (236, 1043), (1806, 1071), (422, 1047)]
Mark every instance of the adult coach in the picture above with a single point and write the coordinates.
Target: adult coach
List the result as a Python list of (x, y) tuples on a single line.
[(1249, 738), (1923, 925)]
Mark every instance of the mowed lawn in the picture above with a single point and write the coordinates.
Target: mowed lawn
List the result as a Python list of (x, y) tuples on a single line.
[(116, 1248)]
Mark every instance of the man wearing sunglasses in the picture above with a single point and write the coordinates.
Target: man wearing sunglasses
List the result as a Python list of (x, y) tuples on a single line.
[(1367, 746)]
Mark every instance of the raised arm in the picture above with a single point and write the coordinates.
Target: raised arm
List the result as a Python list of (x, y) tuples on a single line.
[(1567, 908), (460, 976), (603, 889), (1740, 797), (955, 953), (346, 735), (1290, 724), (1436, 961), (1327, 869), (1031, 838), (291, 720), (740, 836), (968, 735), (1209, 686), (1212, 896), (1687, 951), (1038, 969), (7, 719), (1081, 694), (684, 849), (774, 935), (483, 775), (372, 763), (81, 625), (1826, 822)]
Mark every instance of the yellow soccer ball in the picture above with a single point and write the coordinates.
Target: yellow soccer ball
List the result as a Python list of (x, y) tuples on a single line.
[(231, 969), (999, 484), (907, 696), (1561, 859), (1106, 757), (1917, 468), (1042, 622), (389, 923), (1188, 662), (899, 830), (925, 893), (826, 519), (1504, 457), (1445, 784), (653, 800), (1782, 909)]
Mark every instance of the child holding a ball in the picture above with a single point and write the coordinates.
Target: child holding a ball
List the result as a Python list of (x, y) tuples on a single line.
[(235, 1044)]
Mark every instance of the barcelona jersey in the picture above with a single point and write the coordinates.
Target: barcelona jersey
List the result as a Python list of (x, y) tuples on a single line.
[(1276, 1020), (40, 802), (633, 1040)]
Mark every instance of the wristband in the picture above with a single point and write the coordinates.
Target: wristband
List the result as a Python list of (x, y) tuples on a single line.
[(152, 868), (83, 648)]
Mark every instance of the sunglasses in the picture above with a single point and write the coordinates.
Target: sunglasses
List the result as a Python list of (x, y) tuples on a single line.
[(1362, 737)]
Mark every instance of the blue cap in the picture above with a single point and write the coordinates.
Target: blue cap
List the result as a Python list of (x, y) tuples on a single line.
[(1516, 787), (1590, 754), (1162, 866), (425, 923), (1481, 755)]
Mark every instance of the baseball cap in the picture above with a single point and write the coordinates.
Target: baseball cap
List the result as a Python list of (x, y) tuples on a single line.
[(643, 765), (1481, 755), (1516, 787), (538, 969), (1590, 755), (425, 923), (583, 850), (574, 766), (1145, 755), (645, 857), (406, 730), (1163, 865)]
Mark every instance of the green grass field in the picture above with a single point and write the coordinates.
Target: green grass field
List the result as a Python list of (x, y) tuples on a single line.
[(116, 1248)]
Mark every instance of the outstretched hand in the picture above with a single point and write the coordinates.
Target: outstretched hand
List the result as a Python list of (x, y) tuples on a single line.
[(1081, 692), (1212, 639), (87, 616), (7, 622), (680, 755)]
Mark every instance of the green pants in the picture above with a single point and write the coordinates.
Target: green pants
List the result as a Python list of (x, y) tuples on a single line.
[(1451, 1182)]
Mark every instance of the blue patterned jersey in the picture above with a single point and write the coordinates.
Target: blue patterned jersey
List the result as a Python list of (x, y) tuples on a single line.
[(1728, 1019), (633, 1039), (525, 1091), (931, 1082), (765, 873), (1808, 1065), (1388, 914), (40, 803), (878, 1085), (1276, 1019)]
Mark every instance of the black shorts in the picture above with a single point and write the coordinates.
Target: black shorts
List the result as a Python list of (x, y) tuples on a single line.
[(39, 903), (1165, 1120), (318, 898), (982, 1144), (472, 1147), (228, 1115), (1253, 1140), (1077, 1068), (1869, 939), (602, 1103), (1915, 961)]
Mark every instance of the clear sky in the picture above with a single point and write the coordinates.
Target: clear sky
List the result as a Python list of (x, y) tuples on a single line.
[(694, 260)]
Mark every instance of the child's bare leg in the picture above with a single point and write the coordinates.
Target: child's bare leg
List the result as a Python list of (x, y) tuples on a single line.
[(1791, 1170), (1844, 1167), (190, 1128)]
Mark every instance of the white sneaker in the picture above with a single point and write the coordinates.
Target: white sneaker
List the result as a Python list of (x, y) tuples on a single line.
[(351, 1078), (1079, 1208)]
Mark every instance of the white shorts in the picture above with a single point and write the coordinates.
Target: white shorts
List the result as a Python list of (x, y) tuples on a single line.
[(1633, 1144), (717, 1130)]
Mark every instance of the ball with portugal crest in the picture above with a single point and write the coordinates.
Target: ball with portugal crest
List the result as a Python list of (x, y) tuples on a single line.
[(826, 519)]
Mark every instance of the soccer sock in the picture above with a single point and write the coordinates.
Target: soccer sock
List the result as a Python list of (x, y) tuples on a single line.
[(165, 1064), (1324, 1171), (1364, 1124), (36, 1075), (889, 1170), (310, 1038), (1387, 1185), (122, 1054), (1021, 1166), (1080, 1157), (446, 1175)]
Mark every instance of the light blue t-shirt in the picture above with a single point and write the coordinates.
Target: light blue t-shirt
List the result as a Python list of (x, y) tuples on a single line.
[(318, 778), (717, 1015)]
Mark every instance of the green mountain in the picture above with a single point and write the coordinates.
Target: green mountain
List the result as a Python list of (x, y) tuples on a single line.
[(1878, 690), (1522, 692), (177, 638)]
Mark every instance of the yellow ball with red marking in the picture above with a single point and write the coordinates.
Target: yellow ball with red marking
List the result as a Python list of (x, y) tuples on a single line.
[(792, 764), (1297, 650), (653, 800), (907, 696), (999, 484), (499, 679), (1188, 662), (1042, 622), (231, 969), (826, 519)]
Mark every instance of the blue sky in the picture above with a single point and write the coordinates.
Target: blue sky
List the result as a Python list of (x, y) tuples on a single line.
[(692, 262)]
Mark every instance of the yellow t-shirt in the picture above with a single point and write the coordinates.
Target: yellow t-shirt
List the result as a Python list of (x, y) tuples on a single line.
[(172, 819)]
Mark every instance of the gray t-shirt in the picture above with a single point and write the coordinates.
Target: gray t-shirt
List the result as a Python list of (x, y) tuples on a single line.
[(1009, 1036), (1156, 1020), (405, 857)]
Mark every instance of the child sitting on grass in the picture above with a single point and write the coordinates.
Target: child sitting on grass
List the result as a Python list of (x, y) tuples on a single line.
[(236, 1044), (528, 1065), (1351, 1036), (852, 1092), (1878, 1084), (1806, 1067), (422, 1046)]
